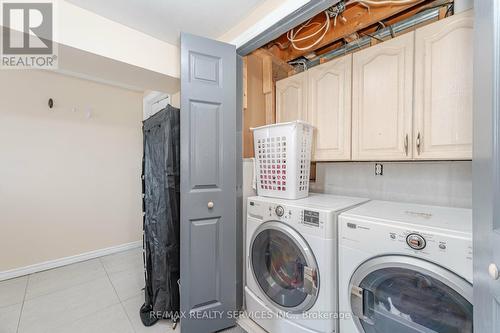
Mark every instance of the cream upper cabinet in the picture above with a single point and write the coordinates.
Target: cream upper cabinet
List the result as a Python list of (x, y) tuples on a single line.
[(329, 109), (382, 92), (443, 89), (291, 98)]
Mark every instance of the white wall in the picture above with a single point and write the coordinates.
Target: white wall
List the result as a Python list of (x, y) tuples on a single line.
[(434, 183), (175, 99), (68, 184)]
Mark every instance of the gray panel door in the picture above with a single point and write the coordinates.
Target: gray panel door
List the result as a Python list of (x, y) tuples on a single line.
[(208, 184), (486, 166)]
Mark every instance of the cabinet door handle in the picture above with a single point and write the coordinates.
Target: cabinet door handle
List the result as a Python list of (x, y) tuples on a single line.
[(406, 144), (418, 143)]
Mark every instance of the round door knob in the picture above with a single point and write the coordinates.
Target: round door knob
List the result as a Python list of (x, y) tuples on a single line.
[(210, 205), (493, 270)]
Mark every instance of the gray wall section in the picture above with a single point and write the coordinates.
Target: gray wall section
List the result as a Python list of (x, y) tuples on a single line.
[(444, 183)]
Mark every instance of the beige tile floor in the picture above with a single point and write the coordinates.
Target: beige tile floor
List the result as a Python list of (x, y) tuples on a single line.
[(96, 296)]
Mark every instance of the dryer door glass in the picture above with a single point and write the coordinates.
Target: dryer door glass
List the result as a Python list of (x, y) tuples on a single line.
[(404, 300), (282, 270)]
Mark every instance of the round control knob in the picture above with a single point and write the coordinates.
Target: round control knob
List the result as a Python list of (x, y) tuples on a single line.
[(279, 210), (415, 241)]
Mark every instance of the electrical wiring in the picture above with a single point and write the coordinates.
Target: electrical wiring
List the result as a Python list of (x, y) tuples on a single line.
[(336, 11), (308, 36), (280, 46), (333, 12), (299, 62), (292, 34)]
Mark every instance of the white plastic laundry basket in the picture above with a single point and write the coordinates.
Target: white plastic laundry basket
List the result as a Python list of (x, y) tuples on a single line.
[(283, 159)]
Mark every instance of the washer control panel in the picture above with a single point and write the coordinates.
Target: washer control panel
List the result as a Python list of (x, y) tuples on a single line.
[(307, 220), (416, 241)]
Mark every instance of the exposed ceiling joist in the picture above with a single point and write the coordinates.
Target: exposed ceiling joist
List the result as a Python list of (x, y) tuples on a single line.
[(356, 17), (389, 21)]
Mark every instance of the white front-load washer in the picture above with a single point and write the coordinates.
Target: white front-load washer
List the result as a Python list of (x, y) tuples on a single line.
[(291, 270), (405, 268)]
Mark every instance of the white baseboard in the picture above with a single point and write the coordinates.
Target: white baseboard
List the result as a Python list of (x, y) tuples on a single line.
[(16, 272)]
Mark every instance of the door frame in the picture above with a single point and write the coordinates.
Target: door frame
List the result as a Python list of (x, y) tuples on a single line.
[(486, 123), (154, 102)]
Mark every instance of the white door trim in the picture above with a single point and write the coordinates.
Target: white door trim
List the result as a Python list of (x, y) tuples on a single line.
[(154, 102)]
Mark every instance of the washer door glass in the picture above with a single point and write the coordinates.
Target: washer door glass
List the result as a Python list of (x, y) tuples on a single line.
[(279, 266), (407, 301)]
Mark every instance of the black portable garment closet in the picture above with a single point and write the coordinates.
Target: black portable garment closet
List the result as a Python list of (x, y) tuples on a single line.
[(161, 207)]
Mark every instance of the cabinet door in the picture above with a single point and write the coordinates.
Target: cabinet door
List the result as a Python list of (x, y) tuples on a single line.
[(291, 95), (329, 109), (443, 89), (382, 100)]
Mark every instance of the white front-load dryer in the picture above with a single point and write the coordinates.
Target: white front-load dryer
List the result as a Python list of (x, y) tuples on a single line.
[(405, 268), (291, 269)]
